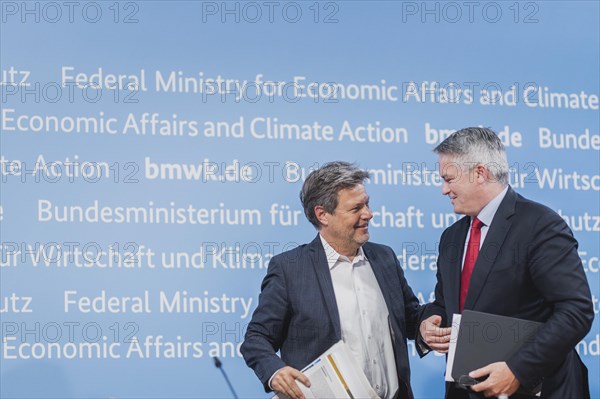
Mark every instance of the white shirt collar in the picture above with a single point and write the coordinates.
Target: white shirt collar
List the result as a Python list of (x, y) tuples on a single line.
[(333, 256), (486, 215)]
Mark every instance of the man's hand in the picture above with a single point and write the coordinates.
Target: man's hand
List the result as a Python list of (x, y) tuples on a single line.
[(284, 382), (501, 381), (436, 337)]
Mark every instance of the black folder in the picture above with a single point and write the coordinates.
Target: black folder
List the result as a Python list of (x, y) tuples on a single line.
[(485, 338)]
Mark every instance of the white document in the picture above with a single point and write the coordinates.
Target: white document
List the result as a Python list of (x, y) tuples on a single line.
[(335, 374), (452, 349)]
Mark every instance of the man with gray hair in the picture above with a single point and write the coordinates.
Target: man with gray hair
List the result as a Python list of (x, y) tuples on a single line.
[(510, 257), (337, 287)]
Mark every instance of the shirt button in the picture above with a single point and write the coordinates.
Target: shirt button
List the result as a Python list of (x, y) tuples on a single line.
[(374, 361)]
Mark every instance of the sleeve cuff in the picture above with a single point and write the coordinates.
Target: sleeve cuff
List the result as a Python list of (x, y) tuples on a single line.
[(422, 347)]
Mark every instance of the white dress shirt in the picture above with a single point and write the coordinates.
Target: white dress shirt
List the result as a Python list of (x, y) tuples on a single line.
[(364, 319)]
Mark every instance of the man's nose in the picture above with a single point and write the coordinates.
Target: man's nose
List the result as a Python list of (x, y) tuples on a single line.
[(367, 214), (445, 188)]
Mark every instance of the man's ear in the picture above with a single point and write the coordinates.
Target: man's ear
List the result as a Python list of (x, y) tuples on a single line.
[(322, 215), (482, 173)]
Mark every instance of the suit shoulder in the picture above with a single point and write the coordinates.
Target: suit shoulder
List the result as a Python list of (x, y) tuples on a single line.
[(378, 251), (291, 256), (372, 246), (534, 210), (537, 218)]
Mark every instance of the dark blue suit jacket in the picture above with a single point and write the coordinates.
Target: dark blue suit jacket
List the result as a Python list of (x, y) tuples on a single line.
[(298, 315), (528, 267)]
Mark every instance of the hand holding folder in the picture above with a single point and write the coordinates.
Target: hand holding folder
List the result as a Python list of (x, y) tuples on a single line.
[(479, 339), (335, 374)]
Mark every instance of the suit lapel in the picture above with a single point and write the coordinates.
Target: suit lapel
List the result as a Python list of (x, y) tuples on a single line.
[(319, 262), (454, 266), (491, 247)]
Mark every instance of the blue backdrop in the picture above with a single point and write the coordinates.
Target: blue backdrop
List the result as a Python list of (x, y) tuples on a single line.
[(152, 153)]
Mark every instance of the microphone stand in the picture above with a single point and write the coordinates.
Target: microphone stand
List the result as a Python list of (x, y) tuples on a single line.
[(219, 365)]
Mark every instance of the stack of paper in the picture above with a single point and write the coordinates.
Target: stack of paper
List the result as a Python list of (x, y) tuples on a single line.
[(335, 374)]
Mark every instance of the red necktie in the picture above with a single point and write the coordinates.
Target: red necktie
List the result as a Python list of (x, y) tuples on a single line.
[(470, 259)]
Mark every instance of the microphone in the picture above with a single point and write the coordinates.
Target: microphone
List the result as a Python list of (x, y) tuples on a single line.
[(219, 365)]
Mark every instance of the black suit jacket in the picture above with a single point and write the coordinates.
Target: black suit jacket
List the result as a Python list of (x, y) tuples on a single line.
[(528, 267), (297, 311)]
